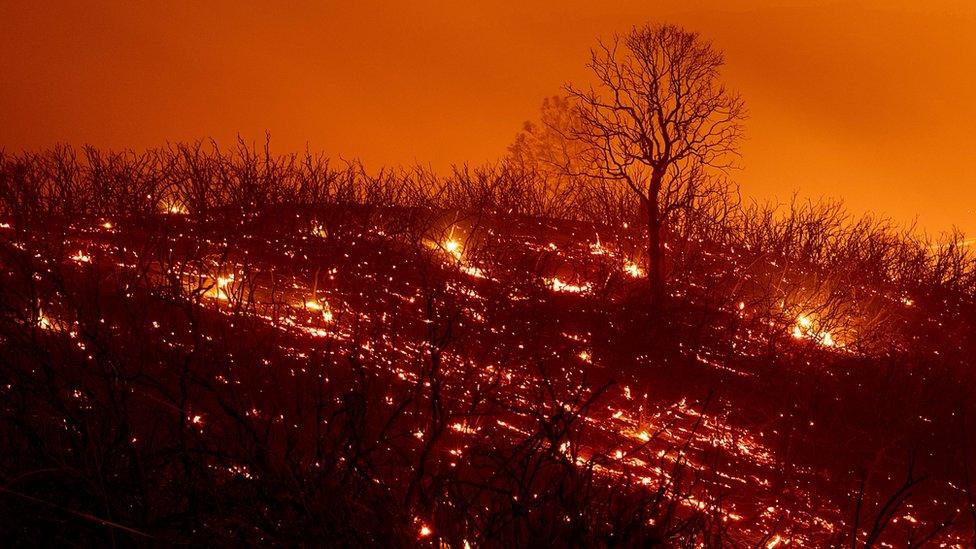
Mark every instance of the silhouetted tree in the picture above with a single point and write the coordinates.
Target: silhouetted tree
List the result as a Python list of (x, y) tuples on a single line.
[(657, 120)]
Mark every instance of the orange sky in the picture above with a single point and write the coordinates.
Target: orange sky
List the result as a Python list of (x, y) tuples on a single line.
[(874, 101)]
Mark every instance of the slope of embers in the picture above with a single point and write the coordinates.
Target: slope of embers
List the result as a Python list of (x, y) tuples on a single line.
[(395, 375)]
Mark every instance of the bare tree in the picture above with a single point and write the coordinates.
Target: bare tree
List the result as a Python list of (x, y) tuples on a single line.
[(658, 118)]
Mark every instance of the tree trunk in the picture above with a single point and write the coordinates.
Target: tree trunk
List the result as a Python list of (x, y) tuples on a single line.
[(655, 248)]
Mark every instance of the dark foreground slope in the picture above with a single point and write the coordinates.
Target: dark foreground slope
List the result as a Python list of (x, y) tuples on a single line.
[(346, 375)]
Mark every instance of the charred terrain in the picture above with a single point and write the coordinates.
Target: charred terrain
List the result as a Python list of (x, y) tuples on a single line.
[(211, 348)]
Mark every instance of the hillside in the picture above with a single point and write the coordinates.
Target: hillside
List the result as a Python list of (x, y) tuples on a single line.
[(357, 373)]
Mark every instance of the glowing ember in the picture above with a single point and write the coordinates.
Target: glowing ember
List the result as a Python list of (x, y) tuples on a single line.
[(463, 428), (81, 257)]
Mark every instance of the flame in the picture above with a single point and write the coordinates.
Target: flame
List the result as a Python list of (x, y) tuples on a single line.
[(633, 269), (597, 248), (320, 305), (219, 289), (174, 207), (473, 271), (81, 257), (453, 247), (560, 286), (44, 322), (805, 329)]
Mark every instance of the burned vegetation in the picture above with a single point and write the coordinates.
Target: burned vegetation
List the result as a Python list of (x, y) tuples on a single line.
[(221, 347)]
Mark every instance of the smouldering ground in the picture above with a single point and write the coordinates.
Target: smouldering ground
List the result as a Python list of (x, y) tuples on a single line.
[(538, 313)]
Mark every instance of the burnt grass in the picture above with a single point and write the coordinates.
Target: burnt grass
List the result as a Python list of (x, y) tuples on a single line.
[(451, 401)]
